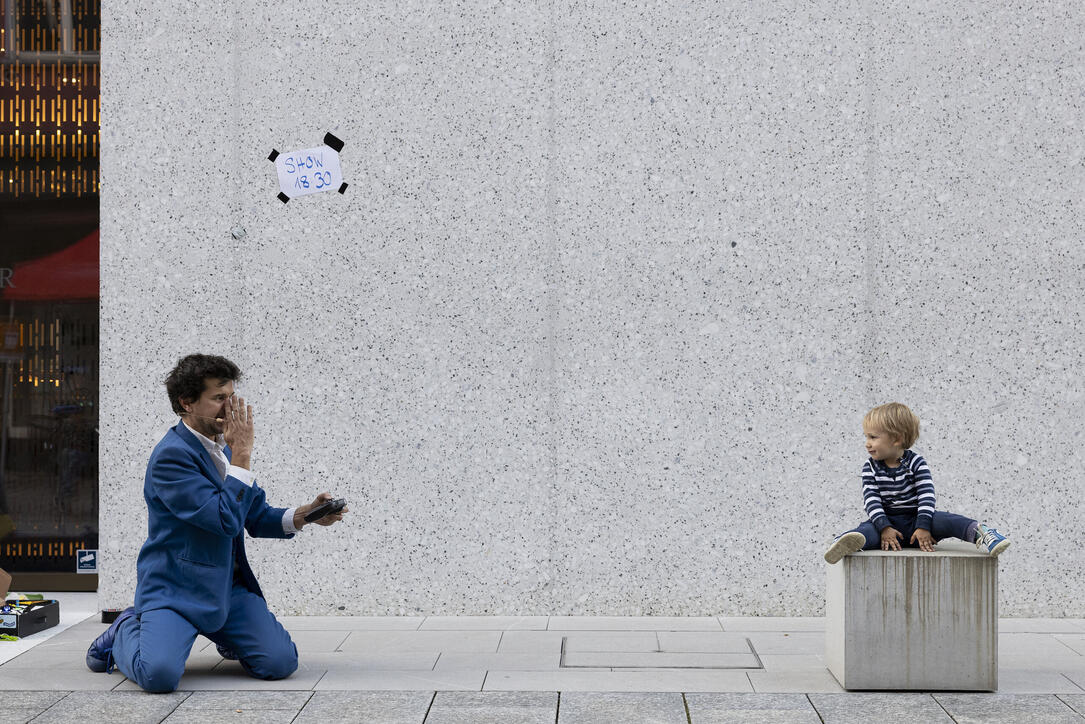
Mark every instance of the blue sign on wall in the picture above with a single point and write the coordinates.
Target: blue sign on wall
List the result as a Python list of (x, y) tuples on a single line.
[(86, 561)]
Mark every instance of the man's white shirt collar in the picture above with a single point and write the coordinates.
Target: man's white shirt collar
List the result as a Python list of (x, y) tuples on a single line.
[(219, 443)]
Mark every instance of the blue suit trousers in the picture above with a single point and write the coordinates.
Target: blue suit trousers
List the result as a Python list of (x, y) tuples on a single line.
[(151, 649)]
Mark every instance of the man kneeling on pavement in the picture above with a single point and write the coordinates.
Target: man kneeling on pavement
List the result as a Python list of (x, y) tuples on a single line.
[(192, 573)]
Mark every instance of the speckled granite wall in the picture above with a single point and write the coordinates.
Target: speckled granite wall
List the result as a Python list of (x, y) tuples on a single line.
[(593, 328)]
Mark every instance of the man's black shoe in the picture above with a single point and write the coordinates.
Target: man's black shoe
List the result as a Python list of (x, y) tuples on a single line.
[(100, 653)]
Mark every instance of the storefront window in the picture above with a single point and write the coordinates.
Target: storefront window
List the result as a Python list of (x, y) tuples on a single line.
[(49, 94)]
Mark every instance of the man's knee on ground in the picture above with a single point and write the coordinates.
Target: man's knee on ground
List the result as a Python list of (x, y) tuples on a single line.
[(160, 677), (273, 666)]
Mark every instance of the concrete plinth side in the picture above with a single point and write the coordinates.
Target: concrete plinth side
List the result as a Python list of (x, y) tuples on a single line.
[(909, 620)]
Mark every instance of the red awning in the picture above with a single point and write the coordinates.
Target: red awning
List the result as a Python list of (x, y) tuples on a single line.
[(70, 273)]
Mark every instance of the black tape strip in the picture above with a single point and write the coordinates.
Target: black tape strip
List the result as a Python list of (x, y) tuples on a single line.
[(283, 197), (273, 155), (343, 188), (333, 142)]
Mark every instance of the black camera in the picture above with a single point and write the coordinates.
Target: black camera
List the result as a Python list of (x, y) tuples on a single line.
[(328, 508)]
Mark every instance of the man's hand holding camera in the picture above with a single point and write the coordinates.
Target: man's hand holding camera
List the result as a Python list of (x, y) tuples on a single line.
[(332, 517)]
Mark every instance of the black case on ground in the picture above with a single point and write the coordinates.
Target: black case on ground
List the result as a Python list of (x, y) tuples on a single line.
[(30, 622)]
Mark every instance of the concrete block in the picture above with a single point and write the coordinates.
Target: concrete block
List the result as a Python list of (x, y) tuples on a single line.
[(909, 620)]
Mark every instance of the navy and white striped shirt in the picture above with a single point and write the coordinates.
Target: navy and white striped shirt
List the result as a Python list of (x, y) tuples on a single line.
[(904, 490)]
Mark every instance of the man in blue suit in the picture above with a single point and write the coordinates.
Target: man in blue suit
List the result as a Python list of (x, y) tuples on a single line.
[(193, 576)]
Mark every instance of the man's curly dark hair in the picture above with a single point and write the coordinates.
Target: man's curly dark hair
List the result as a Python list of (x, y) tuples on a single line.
[(185, 381)]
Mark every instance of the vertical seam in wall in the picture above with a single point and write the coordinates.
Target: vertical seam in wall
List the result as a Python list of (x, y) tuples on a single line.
[(240, 306), (871, 227), (553, 307)]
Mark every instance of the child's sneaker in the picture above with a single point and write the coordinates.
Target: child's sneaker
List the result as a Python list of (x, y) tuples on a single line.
[(990, 540), (845, 544)]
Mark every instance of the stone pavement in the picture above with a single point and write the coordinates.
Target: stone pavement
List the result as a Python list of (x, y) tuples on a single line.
[(555, 669)]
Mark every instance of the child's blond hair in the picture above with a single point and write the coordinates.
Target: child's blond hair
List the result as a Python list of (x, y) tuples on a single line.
[(896, 420)]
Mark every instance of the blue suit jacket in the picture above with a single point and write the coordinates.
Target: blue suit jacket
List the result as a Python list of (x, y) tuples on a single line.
[(195, 526)]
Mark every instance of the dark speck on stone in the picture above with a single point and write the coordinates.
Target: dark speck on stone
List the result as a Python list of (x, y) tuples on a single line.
[(734, 244), (749, 429)]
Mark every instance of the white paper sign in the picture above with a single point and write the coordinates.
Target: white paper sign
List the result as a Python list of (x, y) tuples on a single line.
[(308, 171)]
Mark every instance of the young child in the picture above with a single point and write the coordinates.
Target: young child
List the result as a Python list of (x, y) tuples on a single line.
[(899, 494)]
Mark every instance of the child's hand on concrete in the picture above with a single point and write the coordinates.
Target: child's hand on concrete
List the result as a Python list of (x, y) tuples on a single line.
[(891, 538), (923, 537)]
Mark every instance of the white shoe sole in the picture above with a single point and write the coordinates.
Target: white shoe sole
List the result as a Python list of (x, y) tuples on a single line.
[(845, 544), (999, 547)]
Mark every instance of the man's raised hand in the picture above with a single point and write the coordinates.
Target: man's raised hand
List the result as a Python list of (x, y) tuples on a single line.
[(239, 432)]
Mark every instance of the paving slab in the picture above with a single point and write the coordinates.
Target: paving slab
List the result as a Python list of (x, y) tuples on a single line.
[(1031, 681), (485, 623), (794, 681), (350, 679), (64, 675), (660, 660), (1076, 677), (1059, 659), (40, 700), (772, 623), (229, 676), (861, 708), (18, 707), (418, 641), (351, 707), (1039, 625), (1076, 642), (41, 657), (351, 623), (611, 641), (318, 642), (508, 662), (649, 680), (704, 642), (285, 700), (1007, 709), (541, 642), (230, 716), (749, 708), (76, 638), (776, 642), (388, 662), (607, 708), (112, 706), (793, 662), (1034, 643), (17, 716), (634, 623), (1074, 701), (493, 707), (46, 657)]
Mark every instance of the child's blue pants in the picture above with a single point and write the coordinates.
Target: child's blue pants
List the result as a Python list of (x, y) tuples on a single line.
[(944, 525)]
